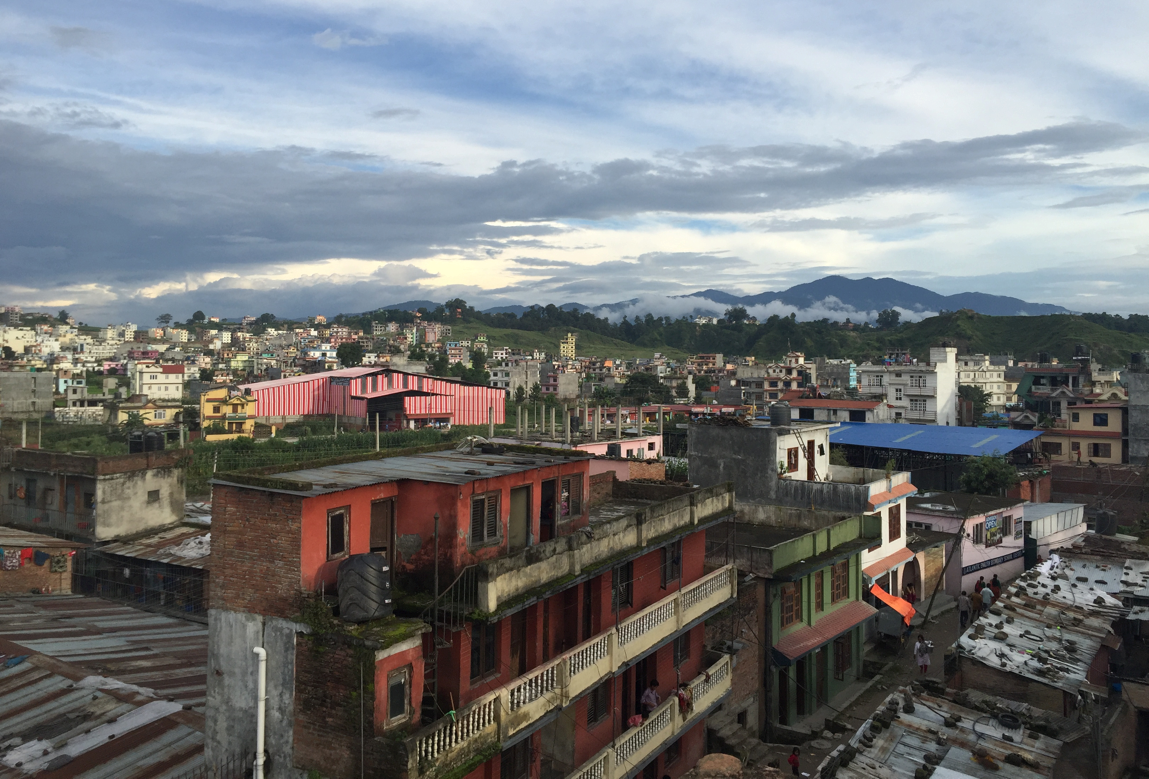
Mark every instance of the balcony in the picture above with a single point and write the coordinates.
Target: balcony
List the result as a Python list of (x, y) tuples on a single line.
[(920, 392), (921, 415), (516, 706), (665, 724)]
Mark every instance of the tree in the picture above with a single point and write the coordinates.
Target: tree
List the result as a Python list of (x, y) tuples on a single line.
[(520, 394), (63, 316), (163, 320), (976, 395), (199, 316), (889, 318), (8, 352), (736, 315), (988, 474), (536, 393), (603, 395), (645, 388), (134, 421), (350, 355), (206, 374), (265, 319)]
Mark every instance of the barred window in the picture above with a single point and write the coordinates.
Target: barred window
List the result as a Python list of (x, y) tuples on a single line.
[(572, 496), (598, 704)]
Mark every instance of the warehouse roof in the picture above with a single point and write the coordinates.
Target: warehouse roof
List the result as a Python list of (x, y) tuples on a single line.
[(933, 439)]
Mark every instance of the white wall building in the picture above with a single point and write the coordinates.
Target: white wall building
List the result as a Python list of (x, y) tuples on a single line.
[(976, 370), (920, 393), (158, 382)]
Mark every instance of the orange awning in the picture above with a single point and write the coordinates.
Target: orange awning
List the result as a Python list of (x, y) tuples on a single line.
[(903, 607), (889, 496), (889, 562)]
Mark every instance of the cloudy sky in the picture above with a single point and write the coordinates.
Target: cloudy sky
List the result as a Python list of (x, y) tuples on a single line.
[(298, 156)]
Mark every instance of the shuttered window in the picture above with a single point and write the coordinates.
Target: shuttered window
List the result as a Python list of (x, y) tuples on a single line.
[(484, 518), (572, 496), (598, 704)]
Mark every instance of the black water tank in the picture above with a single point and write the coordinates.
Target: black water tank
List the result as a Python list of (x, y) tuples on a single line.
[(364, 588), (1106, 522), (135, 442), (1043, 358), (153, 441)]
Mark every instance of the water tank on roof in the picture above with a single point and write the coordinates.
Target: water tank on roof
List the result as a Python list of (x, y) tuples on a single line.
[(364, 588), (153, 441), (135, 442), (780, 414), (1106, 522), (1043, 358), (1080, 350)]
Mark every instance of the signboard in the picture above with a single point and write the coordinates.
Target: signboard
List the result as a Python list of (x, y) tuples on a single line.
[(340, 381), (991, 563), (993, 530)]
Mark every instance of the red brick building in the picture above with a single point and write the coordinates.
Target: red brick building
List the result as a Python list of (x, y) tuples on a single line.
[(560, 601)]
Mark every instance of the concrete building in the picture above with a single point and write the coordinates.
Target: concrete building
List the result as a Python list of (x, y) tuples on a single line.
[(97, 498), (567, 350), (534, 657), (230, 407), (1092, 432), (158, 382), (47, 569), (977, 370), (830, 410), (152, 412), (919, 393), (25, 394), (836, 373), (510, 376), (1137, 378)]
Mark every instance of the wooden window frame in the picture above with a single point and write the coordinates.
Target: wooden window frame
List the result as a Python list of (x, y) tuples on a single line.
[(681, 649), (792, 460), (894, 521), (484, 646), (840, 581), (671, 567), (572, 486), (819, 591), (404, 675), (331, 514), (791, 599), (843, 650), (486, 526), (673, 751), (1095, 450), (598, 702), (622, 586)]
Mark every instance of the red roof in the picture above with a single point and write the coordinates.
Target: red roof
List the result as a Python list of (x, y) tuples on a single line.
[(172, 368), (874, 570), (827, 403), (882, 498), (807, 639)]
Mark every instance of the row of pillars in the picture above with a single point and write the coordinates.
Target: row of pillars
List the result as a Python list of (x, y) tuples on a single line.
[(593, 419)]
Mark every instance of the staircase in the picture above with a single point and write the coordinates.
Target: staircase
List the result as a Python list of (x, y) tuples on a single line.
[(446, 615), (726, 735)]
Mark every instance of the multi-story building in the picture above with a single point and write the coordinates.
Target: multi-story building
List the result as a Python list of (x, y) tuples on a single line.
[(977, 370), (230, 407), (1093, 432), (567, 348), (921, 393), (158, 382), (836, 373), (512, 375), (533, 659)]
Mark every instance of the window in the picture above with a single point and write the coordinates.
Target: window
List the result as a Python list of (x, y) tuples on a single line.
[(897, 393), (572, 495), (153, 496), (1100, 420), (337, 533), (398, 694), (485, 518), (89, 500), (671, 562), (673, 752), (1100, 450), (805, 413), (515, 762), (598, 704), (622, 586), (483, 646), (791, 605), (843, 655), (792, 459), (161, 415), (29, 492), (1076, 417), (895, 521), (215, 409), (681, 649), (650, 446), (840, 581), (1051, 447), (819, 591), (1007, 526), (1075, 446), (978, 533)]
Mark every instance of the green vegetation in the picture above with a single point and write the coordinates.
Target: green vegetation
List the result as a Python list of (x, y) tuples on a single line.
[(977, 396), (988, 475), (350, 355)]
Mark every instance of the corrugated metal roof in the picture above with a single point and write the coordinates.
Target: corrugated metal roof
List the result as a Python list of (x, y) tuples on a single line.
[(70, 729), (158, 547), (932, 438), (973, 746), (109, 639), (13, 537)]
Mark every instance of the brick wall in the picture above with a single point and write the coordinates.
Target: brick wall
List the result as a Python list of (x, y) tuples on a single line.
[(255, 550), (332, 718), (648, 469), (30, 576), (601, 488), (1035, 489), (746, 682)]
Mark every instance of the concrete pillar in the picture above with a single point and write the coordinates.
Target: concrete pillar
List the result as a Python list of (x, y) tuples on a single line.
[(618, 422), (596, 423), (490, 422), (24, 434), (553, 412), (566, 425), (518, 421), (660, 415)]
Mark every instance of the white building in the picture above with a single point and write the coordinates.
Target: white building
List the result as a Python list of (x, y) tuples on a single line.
[(920, 393), (158, 382), (976, 370)]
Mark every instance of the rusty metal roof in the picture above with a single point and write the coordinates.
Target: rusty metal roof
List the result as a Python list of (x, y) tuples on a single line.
[(975, 744), (158, 547), (13, 537), (55, 720), (109, 639)]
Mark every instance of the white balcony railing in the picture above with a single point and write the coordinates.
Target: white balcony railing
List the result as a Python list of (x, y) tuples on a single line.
[(503, 712), (665, 724)]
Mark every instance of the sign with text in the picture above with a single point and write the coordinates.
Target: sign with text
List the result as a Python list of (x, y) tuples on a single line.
[(993, 530), (340, 381)]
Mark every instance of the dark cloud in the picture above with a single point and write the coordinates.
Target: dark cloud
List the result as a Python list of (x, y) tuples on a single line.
[(126, 218), (76, 116), (1108, 197), (395, 113)]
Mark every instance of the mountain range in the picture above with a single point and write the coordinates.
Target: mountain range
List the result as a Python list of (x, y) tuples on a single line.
[(861, 295)]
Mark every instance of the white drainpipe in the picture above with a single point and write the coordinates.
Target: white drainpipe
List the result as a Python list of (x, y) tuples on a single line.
[(260, 711)]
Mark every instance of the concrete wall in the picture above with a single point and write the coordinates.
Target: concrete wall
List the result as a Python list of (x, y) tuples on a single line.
[(25, 395), (1138, 417), (232, 684)]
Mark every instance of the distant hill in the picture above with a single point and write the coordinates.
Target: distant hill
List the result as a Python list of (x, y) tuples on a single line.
[(870, 294)]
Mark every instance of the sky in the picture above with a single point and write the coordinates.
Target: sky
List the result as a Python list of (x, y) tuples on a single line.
[(302, 157)]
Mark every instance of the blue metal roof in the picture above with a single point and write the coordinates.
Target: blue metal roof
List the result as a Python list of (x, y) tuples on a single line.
[(932, 438)]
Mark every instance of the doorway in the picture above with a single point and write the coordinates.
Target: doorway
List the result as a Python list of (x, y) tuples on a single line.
[(641, 679), (547, 510), (811, 472), (821, 669), (519, 527), (383, 530), (801, 676), (519, 643), (783, 696)]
